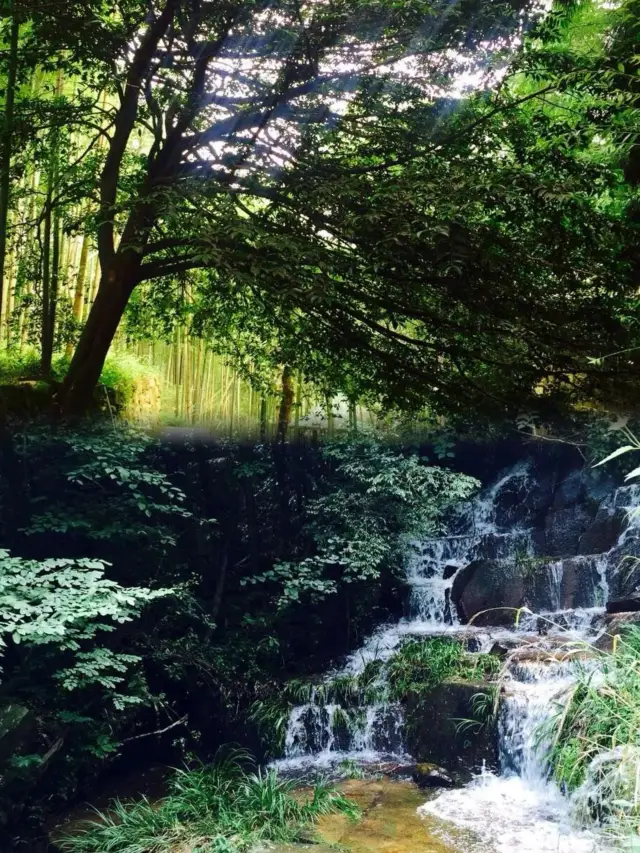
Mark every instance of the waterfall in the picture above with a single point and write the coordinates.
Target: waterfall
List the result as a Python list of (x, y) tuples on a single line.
[(519, 808), (330, 732)]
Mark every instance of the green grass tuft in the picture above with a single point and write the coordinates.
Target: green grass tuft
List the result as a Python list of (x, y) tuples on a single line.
[(220, 807), (421, 665), (596, 738)]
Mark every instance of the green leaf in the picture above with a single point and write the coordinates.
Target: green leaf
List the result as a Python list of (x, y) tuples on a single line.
[(619, 452)]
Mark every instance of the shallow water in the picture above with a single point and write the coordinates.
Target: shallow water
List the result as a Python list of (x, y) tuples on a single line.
[(391, 824)]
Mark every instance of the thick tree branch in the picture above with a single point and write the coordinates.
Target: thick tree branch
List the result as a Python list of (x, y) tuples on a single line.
[(124, 124)]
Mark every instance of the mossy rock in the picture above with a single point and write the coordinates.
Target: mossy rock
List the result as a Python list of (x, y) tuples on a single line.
[(427, 775), (442, 726)]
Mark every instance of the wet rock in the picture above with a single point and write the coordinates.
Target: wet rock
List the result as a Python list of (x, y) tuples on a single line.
[(488, 592), (630, 603), (395, 769), (614, 624), (563, 528), (500, 650), (435, 731), (570, 491), (560, 655), (16, 729), (472, 644), (602, 533), (581, 582), (431, 776)]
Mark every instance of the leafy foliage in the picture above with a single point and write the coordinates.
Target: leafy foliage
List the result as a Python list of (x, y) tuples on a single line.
[(382, 500), (63, 601)]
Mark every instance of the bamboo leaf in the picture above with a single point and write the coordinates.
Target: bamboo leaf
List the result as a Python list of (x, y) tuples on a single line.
[(618, 452)]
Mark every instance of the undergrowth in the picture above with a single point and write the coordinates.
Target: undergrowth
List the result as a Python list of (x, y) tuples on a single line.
[(596, 738), (119, 373), (221, 807)]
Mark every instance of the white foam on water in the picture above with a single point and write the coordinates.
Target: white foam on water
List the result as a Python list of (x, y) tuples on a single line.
[(521, 810), (510, 815)]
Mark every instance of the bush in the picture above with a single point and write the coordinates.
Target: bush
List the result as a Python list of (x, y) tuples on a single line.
[(119, 374), (423, 664)]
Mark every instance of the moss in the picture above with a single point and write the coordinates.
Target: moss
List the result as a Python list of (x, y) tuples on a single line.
[(126, 384), (421, 665)]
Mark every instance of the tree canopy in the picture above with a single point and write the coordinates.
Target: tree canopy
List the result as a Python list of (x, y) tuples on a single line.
[(316, 184)]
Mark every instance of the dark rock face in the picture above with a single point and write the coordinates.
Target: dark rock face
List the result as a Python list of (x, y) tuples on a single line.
[(630, 604), (431, 776), (579, 582), (602, 533), (563, 529), (560, 537), (435, 733), (489, 592)]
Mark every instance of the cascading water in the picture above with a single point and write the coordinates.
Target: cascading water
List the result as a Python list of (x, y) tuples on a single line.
[(328, 732), (520, 809)]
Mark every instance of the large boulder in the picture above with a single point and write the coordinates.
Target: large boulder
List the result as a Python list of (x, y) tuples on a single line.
[(489, 592), (443, 725), (563, 528), (581, 581), (603, 531)]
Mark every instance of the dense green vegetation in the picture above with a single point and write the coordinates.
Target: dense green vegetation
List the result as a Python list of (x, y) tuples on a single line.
[(229, 549), (224, 806), (322, 198), (229, 212), (596, 737)]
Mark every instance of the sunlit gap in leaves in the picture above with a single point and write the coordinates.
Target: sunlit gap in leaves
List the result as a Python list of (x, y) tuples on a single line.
[(236, 79)]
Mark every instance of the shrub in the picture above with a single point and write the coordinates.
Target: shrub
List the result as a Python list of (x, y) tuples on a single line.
[(422, 664)]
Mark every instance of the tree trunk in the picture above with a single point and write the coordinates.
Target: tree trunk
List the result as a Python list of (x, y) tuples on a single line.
[(115, 289), (286, 403), (7, 140), (46, 349), (78, 296), (50, 274), (263, 419)]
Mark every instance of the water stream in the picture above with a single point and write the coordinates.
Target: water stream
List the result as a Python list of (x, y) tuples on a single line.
[(518, 808)]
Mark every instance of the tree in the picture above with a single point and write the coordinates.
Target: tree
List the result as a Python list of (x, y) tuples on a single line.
[(218, 98), (457, 257), (7, 144)]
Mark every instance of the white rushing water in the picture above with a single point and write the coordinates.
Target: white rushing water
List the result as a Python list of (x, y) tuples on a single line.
[(518, 810), (521, 810)]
